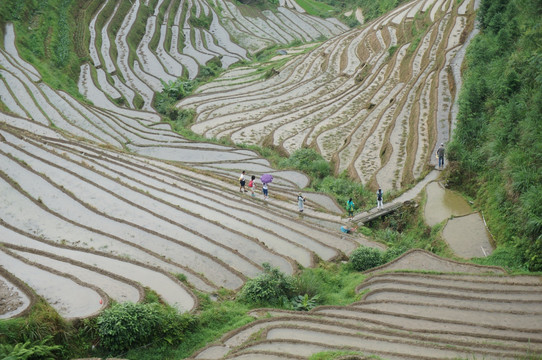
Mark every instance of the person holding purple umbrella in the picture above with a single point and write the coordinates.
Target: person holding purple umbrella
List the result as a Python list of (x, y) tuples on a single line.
[(266, 179)]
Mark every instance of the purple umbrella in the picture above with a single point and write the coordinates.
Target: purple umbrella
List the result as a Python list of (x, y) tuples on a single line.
[(266, 178)]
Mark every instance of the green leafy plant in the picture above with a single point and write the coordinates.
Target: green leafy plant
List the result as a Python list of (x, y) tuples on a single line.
[(304, 303), (364, 258), (271, 287), (30, 350)]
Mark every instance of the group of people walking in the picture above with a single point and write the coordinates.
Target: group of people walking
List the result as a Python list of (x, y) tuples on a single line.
[(252, 185), (350, 207), (265, 189)]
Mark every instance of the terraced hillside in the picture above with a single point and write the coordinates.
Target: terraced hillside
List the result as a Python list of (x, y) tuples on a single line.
[(180, 37), (375, 100), (474, 313), (101, 201)]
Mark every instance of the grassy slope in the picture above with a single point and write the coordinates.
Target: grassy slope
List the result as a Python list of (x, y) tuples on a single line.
[(45, 31), (496, 154)]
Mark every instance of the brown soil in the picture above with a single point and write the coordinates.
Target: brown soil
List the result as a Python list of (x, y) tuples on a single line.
[(10, 300)]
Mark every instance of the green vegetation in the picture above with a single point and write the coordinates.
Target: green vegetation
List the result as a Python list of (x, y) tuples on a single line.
[(203, 21), (365, 258), (44, 38), (510, 258), (371, 8), (316, 8), (271, 287), (37, 333), (329, 284), (496, 153), (139, 27), (164, 102), (400, 231), (153, 44), (309, 161), (495, 157), (406, 229), (29, 350), (152, 330), (128, 325)]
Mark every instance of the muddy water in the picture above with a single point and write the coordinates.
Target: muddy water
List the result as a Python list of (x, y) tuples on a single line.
[(465, 233), (468, 236), (442, 204)]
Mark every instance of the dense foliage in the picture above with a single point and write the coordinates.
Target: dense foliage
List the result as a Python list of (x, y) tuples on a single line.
[(44, 31), (173, 91), (40, 349), (309, 161), (128, 325), (364, 258), (271, 287), (496, 154)]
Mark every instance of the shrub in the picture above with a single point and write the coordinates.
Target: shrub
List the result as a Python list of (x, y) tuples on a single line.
[(364, 258), (310, 161), (271, 287), (30, 350), (127, 325)]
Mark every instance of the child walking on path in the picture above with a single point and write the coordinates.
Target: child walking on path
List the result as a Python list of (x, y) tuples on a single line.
[(350, 208), (379, 199), (300, 202), (265, 191), (252, 185)]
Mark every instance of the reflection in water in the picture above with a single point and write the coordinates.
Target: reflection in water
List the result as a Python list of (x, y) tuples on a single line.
[(442, 204)]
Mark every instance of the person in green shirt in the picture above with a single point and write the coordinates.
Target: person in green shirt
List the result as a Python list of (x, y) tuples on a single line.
[(350, 208)]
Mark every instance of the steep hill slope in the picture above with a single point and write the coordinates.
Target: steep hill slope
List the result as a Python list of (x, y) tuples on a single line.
[(496, 152), (374, 100)]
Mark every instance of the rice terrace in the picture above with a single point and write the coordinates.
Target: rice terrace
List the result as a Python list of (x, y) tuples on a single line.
[(134, 140)]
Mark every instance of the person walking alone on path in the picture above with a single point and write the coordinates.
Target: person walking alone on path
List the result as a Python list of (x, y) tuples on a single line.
[(252, 185), (350, 208), (300, 201), (242, 182), (379, 199), (440, 155)]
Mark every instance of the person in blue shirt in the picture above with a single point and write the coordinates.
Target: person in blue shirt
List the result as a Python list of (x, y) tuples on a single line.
[(348, 230)]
